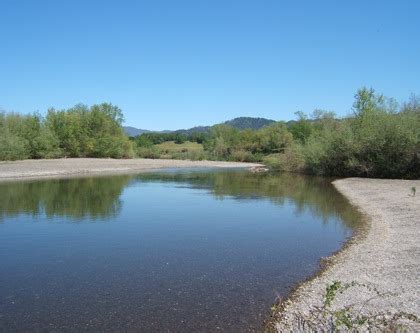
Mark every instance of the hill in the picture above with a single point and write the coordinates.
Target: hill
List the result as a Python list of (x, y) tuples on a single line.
[(239, 123), (249, 123), (132, 131)]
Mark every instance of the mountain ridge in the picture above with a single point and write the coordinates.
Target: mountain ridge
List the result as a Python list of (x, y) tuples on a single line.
[(241, 123)]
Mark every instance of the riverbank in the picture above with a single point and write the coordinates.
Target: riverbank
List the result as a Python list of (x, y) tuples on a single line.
[(378, 271), (34, 169)]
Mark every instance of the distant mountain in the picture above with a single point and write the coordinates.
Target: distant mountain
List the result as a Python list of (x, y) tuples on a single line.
[(249, 123), (197, 129), (132, 131), (239, 123)]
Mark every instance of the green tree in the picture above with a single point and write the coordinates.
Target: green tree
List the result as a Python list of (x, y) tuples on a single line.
[(301, 129)]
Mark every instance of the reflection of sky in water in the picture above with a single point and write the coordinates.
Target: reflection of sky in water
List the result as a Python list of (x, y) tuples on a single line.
[(179, 253)]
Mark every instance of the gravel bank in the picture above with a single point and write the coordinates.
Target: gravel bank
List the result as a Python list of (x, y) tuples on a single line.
[(385, 256), (33, 169)]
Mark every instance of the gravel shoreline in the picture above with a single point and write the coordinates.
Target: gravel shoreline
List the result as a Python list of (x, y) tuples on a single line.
[(35, 169), (383, 258)]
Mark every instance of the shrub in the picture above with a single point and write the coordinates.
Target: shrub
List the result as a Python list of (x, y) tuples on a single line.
[(12, 147), (290, 160), (148, 153), (242, 156)]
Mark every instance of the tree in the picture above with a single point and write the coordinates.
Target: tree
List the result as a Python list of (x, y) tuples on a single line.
[(301, 129), (366, 100)]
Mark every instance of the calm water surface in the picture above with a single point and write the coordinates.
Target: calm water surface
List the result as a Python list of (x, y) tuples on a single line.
[(170, 251)]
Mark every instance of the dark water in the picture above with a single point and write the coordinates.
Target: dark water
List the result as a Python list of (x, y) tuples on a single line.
[(174, 251)]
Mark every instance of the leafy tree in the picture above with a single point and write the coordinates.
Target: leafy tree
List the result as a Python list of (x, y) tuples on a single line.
[(274, 138), (76, 132), (301, 129)]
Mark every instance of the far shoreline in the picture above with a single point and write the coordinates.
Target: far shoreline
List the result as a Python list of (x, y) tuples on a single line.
[(82, 167)]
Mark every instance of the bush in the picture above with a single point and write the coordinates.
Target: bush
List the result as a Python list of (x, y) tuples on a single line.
[(242, 156), (77, 132), (12, 147), (376, 142), (291, 160), (148, 153)]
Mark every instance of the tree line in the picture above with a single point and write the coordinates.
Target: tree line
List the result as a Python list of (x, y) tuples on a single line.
[(380, 139), (80, 131)]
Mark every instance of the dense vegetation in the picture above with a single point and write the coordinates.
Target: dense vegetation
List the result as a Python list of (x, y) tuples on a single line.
[(80, 131), (380, 139), (243, 123)]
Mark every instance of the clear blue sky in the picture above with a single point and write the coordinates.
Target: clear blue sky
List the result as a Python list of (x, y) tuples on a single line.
[(175, 64)]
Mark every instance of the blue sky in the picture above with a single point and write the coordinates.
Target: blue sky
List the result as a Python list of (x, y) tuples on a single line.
[(176, 63)]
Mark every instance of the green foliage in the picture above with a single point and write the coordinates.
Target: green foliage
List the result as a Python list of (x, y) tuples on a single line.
[(366, 102), (350, 316), (12, 147), (331, 291), (148, 152), (149, 139), (77, 132), (379, 140), (274, 139), (243, 123), (228, 143), (172, 150), (143, 141), (347, 315), (291, 160), (301, 129)]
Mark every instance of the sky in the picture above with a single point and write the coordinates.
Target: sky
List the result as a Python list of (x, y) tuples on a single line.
[(177, 64)]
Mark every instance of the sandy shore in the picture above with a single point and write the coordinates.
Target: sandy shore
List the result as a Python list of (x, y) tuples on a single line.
[(34, 169), (383, 260)]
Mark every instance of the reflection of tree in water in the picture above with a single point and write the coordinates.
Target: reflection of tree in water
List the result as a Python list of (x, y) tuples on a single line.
[(99, 197), (95, 198), (306, 192)]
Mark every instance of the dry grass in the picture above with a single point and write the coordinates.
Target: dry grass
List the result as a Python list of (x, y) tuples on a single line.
[(187, 150), (169, 147)]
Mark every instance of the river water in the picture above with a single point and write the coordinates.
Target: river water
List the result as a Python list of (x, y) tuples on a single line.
[(173, 251)]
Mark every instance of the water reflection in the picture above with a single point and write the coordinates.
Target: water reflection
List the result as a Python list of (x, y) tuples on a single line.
[(93, 198), (316, 194), (98, 198)]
